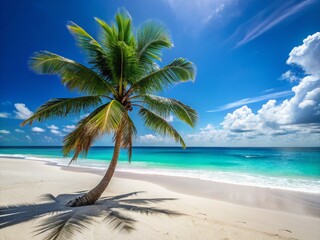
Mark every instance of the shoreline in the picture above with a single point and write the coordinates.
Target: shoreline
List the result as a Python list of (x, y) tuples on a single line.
[(284, 200), (297, 185), (24, 181), (259, 197)]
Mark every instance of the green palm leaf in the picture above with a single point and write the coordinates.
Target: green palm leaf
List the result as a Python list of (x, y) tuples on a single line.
[(120, 46), (128, 132), (160, 125), (108, 36), (96, 53), (123, 68), (124, 26), (105, 119), (123, 65), (72, 74), (165, 106), (152, 37), (61, 107), (180, 70)]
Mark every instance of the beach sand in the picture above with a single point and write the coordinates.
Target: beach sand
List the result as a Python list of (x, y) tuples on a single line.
[(211, 210)]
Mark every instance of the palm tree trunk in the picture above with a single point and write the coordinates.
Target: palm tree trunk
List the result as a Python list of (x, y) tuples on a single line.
[(93, 195)]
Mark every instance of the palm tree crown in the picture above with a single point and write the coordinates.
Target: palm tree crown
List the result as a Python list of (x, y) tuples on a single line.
[(122, 75)]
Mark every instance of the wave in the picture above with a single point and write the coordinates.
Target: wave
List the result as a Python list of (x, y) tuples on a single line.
[(307, 185)]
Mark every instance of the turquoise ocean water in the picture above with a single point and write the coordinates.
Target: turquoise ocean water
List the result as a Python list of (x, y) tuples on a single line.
[(296, 169)]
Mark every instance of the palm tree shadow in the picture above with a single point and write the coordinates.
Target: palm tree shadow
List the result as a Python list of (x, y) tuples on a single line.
[(61, 221)]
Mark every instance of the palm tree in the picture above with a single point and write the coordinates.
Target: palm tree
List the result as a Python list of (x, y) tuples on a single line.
[(123, 74)]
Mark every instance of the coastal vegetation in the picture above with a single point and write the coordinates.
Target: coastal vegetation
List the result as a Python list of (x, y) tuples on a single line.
[(123, 75)]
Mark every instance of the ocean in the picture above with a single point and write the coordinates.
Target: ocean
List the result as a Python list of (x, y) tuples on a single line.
[(295, 169)]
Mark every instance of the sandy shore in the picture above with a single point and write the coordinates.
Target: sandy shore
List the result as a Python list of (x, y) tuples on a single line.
[(211, 210)]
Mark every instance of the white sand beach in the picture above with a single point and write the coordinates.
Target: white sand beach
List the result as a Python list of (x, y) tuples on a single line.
[(209, 213)]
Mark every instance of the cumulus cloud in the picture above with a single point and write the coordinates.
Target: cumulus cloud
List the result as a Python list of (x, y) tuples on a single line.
[(298, 116), (302, 108), (290, 76), (150, 138), (38, 129), (4, 131), (68, 128), (56, 132), (241, 120), (208, 134), (53, 127), (22, 112), (4, 115), (307, 55)]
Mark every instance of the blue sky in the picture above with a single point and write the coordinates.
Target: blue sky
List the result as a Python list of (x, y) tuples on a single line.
[(258, 78)]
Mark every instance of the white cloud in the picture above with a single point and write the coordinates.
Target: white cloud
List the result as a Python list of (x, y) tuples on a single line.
[(19, 131), (53, 127), (28, 137), (170, 118), (56, 132), (22, 112), (4, 115), (267, 19), (150, 138), (207, 135), (68, 128), (4, 131), (304, 106), (297, 117), (38, 129), (307, 55), (241, 120), (289, 75), (252, 100)]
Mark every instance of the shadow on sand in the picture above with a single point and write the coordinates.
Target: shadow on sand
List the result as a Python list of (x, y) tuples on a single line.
[(64, 222)]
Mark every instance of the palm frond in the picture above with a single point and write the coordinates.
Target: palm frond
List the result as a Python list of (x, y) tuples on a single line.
[(74, 75), (109, 34), (124, 26), (105, 119), (61, 107), (123, 64), (129, 131), (152, 37), (119, 42), (95, 52), (165, 106), (160, 125), (180, 70)]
